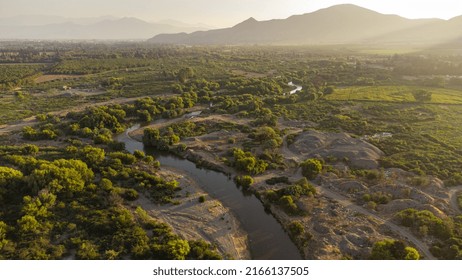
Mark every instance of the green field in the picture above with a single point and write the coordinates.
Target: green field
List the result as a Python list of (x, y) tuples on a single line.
[(395, 94)]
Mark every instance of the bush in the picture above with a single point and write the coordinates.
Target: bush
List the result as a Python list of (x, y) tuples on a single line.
[(393, 250), (244, 181), (298, 190), (311, 168), (201, 250), (277, 180), (202, 198), (130, 194), (106, 184), (125, 157), (415, 219), (30, 149), (9, 175), (139, 154), (373, 175), (296, 228), (287, 202), (247, 162)]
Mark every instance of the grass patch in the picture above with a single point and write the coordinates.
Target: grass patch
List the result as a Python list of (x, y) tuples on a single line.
[(395, 94)]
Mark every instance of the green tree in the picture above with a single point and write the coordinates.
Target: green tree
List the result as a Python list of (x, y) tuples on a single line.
[(296, 228), (287, 202), (185, 73), (106, 184), (311, 168), (244, 181), (201, 250), (268, 136), (393, 250), (93, 156), (177, 249), (151, 137), (9, 176), (61, 175), (30, 149), (28, 225), (139, 154), (245, 161), (3, 231), (87, 251)]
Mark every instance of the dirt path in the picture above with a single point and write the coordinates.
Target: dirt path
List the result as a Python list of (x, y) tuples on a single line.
[(346, 203), (453, 198)]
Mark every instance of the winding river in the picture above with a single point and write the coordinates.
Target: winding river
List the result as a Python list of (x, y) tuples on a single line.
[(267, 239)]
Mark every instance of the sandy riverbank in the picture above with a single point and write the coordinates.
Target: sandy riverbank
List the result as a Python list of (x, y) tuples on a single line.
[(193, 220)]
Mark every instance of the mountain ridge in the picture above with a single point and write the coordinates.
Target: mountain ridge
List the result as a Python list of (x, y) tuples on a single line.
[(339, 24)]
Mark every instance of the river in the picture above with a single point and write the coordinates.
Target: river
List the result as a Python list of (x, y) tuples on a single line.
[(267, 239), (297, 88)]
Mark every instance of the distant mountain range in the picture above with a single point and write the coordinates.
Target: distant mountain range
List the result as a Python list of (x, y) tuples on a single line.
[(341, 24), (103, 28)]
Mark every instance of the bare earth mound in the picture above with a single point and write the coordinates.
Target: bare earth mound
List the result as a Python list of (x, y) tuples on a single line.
[(358, 153)]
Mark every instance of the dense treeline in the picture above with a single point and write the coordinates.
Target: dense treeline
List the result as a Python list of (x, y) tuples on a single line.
[(77, 204), (447, 232), (12, 76)]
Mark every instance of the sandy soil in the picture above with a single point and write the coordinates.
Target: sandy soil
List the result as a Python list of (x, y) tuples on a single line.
[(192, 220), (359, 153)]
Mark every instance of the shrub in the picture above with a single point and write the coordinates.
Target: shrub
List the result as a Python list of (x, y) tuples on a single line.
[(130, 194), (106, 184), (30, 149), (415, 219), (277, 180), (287, 202), (139, 154), (244, 181), (393, 250), (311, 168), (296, 228)]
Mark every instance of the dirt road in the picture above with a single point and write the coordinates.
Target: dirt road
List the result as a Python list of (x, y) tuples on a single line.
[(453, 198)]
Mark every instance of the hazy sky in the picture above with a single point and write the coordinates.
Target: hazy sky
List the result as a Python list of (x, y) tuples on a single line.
[(219, 13)]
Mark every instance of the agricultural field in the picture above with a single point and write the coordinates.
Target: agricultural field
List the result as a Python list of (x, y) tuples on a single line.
[(399, 94)]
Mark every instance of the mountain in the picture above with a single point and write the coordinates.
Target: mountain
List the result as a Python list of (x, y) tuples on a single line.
[(103, 28), (183, 24), (340, 24)]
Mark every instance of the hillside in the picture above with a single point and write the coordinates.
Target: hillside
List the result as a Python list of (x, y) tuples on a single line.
[(341, 24)]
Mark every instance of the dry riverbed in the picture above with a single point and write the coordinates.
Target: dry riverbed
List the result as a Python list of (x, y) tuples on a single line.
[(191, 219)]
